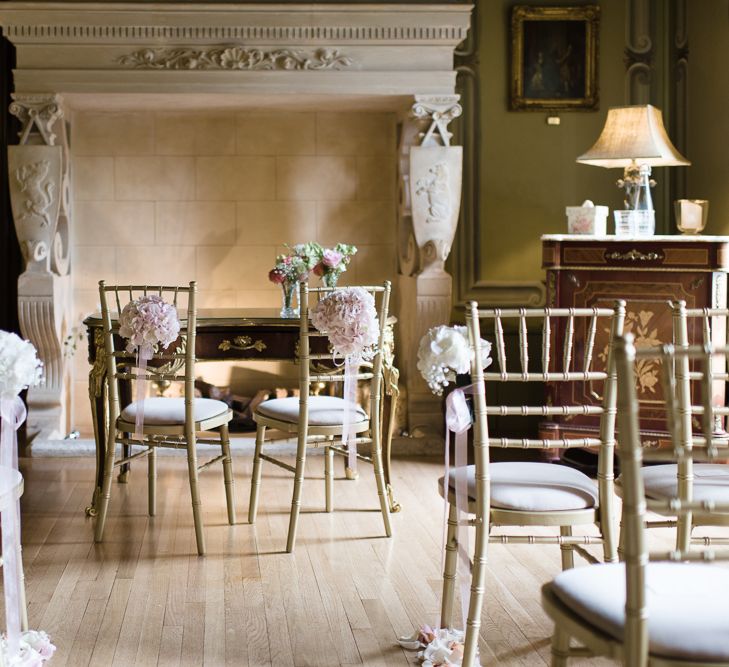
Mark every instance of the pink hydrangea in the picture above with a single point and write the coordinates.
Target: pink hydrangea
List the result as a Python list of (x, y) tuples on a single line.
[(147, 323), (349, 318)]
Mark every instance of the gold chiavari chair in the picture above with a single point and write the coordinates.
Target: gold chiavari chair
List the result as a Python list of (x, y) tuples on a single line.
[(168, 422), (643, 611), (534, 493), (703, 481), (318, 420)]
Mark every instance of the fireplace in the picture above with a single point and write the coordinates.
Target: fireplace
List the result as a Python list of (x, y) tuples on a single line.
[(191, 141)]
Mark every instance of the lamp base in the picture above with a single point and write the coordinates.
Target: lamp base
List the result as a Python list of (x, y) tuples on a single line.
[(632, 181)]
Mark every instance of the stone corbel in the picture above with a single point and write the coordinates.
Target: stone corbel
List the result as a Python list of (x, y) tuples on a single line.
[(430, 195), (38, 169)]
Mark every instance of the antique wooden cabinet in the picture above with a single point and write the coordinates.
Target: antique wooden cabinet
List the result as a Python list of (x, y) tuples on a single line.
[(585, 271)]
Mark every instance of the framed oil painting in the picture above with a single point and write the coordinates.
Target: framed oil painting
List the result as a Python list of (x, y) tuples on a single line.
[(554, 57)]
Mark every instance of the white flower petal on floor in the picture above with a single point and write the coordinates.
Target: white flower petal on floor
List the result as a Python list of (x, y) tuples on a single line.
[(436, 648)]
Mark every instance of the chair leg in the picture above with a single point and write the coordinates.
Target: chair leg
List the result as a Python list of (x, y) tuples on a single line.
[(568, 554), (152, 481), (683, 532), (195, 495), (449, 569), (228, 473), (105, 495), (21, 584), (475, 605), (608, 525), (560, 648), (328, 477), (256, 475), (296, 497), (381, 487)]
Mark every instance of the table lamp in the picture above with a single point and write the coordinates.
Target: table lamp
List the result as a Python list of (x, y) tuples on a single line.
[(634, 138)]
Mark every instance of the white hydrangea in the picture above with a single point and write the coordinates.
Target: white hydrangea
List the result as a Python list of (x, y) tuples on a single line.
[(445, 352), (20, 367)]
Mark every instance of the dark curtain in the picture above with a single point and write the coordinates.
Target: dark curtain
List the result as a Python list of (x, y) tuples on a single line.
[(10, 257)]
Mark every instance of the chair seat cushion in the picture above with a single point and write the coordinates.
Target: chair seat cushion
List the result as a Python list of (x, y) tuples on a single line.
[(711, 481), (323, 410), (162, 411), (533, 487), (688, 609)]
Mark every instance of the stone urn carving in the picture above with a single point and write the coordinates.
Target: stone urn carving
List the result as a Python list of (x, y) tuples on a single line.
[(435, 198), (36, 187)]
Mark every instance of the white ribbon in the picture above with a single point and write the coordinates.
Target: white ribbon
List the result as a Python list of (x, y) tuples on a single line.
[(144, 353), (13, 414), (349, 392), (458, 420)]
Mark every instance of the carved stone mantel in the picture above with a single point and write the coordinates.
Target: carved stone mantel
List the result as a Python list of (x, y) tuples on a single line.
[(336, 49), (106, 56)]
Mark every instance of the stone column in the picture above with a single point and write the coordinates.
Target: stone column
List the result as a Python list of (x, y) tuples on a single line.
[(430, 195), (38, 169)]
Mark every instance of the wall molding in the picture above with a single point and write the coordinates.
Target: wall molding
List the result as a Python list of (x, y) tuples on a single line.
[(80, 33), (466, 264)]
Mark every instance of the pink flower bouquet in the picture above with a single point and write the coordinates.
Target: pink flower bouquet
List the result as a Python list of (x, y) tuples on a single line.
[(334, 262)]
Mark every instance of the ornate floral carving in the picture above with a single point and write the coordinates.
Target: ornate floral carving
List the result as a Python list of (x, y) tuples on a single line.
[(435, 188), (642, 326), (242, 343), (38, 190), (235, 58)]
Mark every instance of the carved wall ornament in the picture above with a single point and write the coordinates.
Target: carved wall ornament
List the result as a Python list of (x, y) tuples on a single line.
[(38, 115), (434, 187), (38, 189), (436, 112), (35, 180), (435, 182), (235, 58)]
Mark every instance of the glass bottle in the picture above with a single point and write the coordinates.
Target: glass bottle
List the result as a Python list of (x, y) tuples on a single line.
[(645, 223)]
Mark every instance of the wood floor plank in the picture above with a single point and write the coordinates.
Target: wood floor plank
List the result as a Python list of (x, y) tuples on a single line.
[(144, 597)]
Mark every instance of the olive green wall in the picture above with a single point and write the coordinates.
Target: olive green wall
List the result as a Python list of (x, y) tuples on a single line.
[(708, 112), (528, 168)]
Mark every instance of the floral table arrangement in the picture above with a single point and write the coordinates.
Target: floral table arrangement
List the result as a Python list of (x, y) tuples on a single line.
[(293, 268), (334, 262), (20, 369), (305, 258), (445, 352)]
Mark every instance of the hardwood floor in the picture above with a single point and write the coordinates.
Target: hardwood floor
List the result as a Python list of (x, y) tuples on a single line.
[(144, 597)]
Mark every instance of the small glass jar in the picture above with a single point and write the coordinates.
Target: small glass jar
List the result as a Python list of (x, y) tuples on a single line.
[(635, 223)]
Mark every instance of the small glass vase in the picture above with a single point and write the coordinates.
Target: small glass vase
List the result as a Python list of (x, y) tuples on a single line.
[(287, 309), (330, 279)]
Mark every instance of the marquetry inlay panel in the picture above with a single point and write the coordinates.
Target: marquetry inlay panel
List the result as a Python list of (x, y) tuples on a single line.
[(686, 256)]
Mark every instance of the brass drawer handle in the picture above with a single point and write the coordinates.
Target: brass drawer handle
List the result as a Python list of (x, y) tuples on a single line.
[(634, 256), (242, 343)]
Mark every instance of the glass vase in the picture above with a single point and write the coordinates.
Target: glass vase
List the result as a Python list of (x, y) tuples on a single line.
[(330, 279), (287, 308)]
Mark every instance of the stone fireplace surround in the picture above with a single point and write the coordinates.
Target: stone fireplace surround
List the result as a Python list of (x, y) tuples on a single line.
[(338, 103)]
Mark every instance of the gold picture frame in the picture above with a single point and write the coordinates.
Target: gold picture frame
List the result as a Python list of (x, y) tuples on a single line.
[(554, 57)]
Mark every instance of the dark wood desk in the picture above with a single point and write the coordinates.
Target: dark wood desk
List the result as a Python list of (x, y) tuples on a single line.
[(230, 334)]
